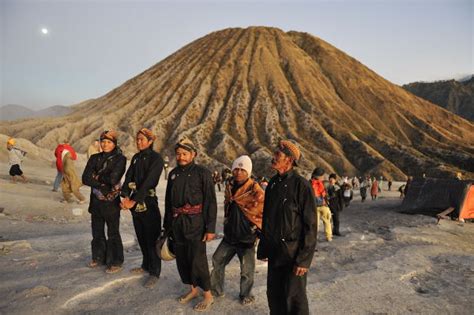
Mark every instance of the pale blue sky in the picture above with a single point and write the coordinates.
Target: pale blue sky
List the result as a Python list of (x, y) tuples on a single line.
[(94, 46)]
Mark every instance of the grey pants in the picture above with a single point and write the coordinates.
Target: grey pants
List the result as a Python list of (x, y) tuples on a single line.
[(223, 255)]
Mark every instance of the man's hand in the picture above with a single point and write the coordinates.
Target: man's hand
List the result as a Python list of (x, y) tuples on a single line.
[(127, 203), (300, 271), (208, 237)]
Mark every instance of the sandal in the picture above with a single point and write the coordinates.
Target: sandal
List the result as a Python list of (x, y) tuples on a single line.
[(137, 271), (151, 282), (113, 269), (188, 297), (203, 305), (93, 264), (247, 300)]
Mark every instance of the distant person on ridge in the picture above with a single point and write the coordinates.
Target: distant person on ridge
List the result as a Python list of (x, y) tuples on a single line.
[(139, 193), (190, 219), (102, 173), (15, 158), (288, 233)]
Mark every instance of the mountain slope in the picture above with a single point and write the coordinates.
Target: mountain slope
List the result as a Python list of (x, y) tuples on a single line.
[(238, 91), (14, 112), (457, 97)]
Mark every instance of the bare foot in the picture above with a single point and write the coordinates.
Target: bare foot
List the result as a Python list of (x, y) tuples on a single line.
[(184, 299), (204, 305)]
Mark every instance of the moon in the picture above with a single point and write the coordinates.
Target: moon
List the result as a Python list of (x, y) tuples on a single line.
[(44, 31)]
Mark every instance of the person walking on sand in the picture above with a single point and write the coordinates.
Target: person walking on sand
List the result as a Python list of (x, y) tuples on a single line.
[(288, 238), (363, 189), (322, 205), (103, 173), (336, 202), (190, 219), (70, 183), (15, 158), (243, 210), (374, 189), (139, 192)]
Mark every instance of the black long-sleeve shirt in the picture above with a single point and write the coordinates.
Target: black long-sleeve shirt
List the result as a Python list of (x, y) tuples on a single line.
[(103, 171), (289, 231), (335, 197), (145, 171), (193, 185)]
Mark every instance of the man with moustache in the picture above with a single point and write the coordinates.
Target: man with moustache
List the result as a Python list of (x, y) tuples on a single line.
[(190, 219), (288, 233), (140, 197)]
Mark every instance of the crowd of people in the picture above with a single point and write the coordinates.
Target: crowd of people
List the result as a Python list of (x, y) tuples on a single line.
[(275, 220)]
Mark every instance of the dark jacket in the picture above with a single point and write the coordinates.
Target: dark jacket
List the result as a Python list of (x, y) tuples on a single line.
[(110, 168), (289, 230), (193, 185), (145, 171), (335, 197), (238, 230)]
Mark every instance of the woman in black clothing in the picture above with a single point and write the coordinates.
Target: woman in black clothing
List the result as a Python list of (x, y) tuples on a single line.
[(103, 173)]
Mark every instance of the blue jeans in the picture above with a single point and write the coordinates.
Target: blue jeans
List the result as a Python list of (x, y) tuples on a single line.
[(57, 180), (223, 255)]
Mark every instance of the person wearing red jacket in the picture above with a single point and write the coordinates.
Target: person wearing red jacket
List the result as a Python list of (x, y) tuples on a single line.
[(58, 152), (321, 198)]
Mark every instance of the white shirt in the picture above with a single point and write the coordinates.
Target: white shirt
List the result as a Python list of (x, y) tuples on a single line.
[(15, 156)]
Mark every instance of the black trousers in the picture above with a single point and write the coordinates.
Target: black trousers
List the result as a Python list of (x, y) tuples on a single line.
[(191, 260), (147, 226), (335, 221), (108, 250), (286, 293)]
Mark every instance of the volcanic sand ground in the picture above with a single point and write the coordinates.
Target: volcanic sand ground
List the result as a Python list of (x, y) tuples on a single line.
[(386, 263)]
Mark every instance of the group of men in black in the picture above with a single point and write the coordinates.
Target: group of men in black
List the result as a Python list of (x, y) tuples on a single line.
[(282, 217)]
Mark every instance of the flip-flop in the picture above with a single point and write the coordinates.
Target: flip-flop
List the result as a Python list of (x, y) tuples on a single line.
[(247, 300), (137, 271), (93, 264), (203, 306), (113, 269), (185, 299)]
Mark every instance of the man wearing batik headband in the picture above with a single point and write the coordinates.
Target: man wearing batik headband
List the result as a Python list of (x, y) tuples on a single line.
[(140, 197), (289, 235), (190, 219), (103, 173)]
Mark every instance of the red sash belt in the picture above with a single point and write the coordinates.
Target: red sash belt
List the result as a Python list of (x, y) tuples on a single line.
[(188, 210)]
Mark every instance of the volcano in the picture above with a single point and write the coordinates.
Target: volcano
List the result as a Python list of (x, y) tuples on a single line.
[(238, 91)]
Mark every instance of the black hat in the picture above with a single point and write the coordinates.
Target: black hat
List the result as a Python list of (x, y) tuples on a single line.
[(318, 171)]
